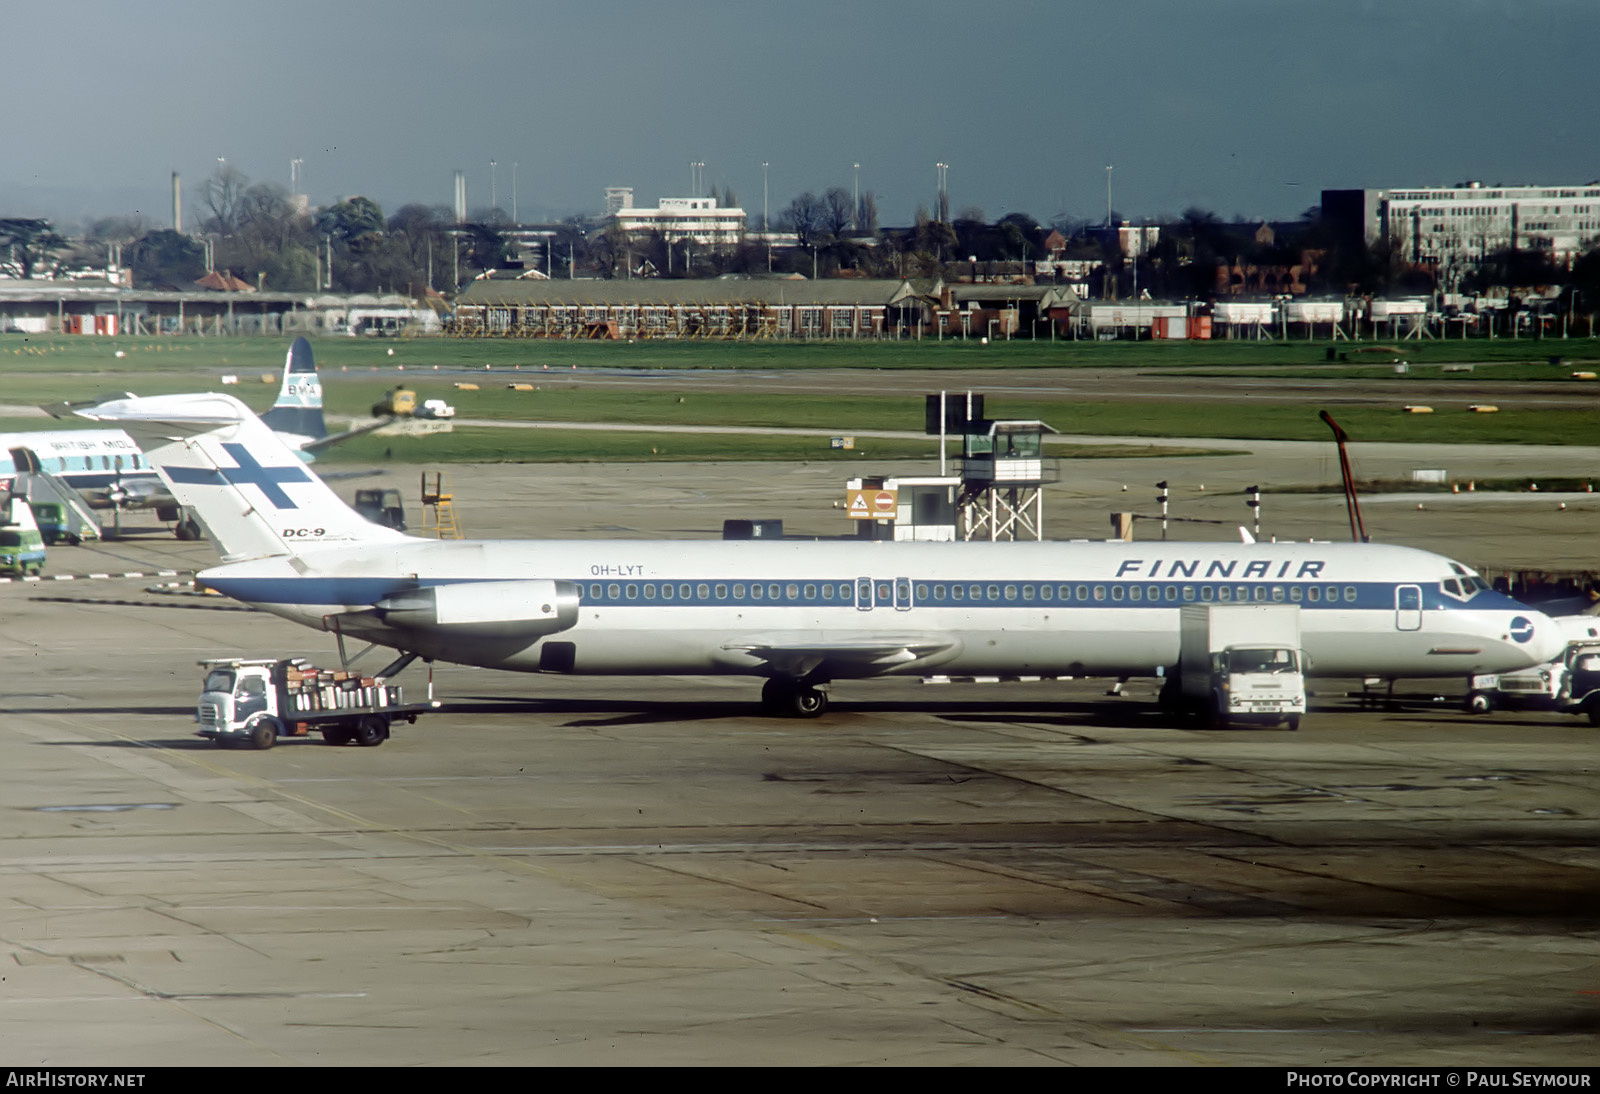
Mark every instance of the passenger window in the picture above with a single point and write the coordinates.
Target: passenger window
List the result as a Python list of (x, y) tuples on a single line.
[(633, 592), (922, 592), (755, 592), (722, 592), (1027, 592), (1313, 593), (614, 591), (666, 592), (1295, 593), (1011, 592), (1099, 592), (595, 592), (957, 592), (1083, 593), (1349, 594), (686, 592), (1134, 592), (1259, 594), (649, 592), (811, 592), (1205, 592), (738, 592), (1224, 593)]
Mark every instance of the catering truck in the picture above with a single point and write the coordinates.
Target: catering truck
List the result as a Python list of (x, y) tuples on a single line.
[(254, 702), (1242, 663)]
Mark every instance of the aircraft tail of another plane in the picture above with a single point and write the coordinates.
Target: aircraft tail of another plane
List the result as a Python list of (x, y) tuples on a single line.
[(250, 491), (298, 411)]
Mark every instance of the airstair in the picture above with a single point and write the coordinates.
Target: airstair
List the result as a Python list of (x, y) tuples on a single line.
[(439, 515)]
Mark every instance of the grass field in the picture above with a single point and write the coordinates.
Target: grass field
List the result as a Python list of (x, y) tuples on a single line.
[(357, 372), (84, 354)]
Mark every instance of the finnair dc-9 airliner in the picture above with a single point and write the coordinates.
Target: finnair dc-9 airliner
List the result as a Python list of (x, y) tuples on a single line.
[(796, 614)]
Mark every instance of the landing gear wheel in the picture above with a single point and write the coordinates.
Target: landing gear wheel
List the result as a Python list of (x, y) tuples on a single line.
[(793, 698), (264, 734), (1479, 703), (775, 694), (188, 529), (808, 702), (372, 730)]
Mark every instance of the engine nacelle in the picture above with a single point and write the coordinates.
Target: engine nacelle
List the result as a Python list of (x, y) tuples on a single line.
[(486, 609)]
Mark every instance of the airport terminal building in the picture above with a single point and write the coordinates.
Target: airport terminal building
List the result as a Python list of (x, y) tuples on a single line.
[(1458, 226)]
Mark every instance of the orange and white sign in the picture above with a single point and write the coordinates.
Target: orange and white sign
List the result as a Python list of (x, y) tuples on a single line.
[(872, 504)]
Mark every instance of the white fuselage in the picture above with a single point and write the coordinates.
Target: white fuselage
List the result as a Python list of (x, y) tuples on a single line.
[(957, 608)]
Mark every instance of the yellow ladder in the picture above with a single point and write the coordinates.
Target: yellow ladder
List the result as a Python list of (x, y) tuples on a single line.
[(439, 517)]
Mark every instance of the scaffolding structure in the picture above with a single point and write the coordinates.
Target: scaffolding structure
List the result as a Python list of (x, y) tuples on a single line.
[(1003, 474)]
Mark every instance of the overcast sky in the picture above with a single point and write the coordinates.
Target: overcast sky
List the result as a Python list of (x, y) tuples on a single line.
[(1243, 107)]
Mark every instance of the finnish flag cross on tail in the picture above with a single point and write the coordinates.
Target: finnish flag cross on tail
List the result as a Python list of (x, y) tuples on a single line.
[(251, 492)]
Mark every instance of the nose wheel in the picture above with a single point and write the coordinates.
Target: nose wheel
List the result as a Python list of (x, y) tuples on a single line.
[(793, 698)]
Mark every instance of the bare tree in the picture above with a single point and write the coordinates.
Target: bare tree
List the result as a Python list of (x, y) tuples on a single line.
[(839, 212), (867, 213), (804, 217), (222, 194)]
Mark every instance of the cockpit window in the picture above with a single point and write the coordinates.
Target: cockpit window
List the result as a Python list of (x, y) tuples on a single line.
[(1465, 587)]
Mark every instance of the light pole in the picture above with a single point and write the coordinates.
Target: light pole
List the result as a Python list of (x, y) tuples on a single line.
[(1108, 195), (494, 181), (514, 192), (855, 198), (942, 203)]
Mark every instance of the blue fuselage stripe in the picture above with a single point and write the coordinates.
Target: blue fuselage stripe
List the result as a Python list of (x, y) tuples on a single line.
[(892, 592)]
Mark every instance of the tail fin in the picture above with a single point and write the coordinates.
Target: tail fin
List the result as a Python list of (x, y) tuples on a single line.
[(297, 415), (251, 492)]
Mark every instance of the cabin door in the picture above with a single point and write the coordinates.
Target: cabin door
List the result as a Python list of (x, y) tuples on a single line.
[(863, 594), (1408, 607)]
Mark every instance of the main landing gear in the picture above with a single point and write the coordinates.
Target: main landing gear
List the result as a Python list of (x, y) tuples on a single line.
[(793, 698)]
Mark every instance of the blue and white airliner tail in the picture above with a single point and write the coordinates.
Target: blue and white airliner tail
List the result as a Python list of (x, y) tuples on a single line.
[(297, 415), (799, 614)]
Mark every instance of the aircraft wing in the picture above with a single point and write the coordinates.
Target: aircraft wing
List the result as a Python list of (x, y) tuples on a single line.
[(334, 438), (801, 655)]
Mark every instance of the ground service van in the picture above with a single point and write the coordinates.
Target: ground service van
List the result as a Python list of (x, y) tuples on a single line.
[(1242, 663)]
